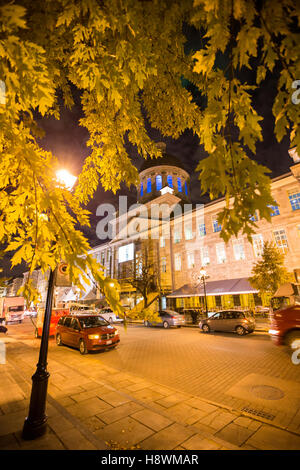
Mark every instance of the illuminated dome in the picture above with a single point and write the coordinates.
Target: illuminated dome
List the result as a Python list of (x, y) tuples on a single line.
[(158, 173)]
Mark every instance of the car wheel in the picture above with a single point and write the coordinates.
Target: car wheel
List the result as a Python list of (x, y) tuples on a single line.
[(58, 340), (82, 347), (240, 330), (166, 324), (205, 328), (293, 340)]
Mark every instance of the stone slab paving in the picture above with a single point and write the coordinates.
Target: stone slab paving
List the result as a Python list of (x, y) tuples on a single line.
[(99, 407)]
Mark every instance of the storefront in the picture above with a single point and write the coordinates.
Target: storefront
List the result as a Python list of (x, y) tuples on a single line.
[(223, 294)]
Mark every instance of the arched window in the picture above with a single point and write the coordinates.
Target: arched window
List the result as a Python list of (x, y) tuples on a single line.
[(170, 181), (179, 184), (158, 183), (185, 188), (149, 185), (142, 190)]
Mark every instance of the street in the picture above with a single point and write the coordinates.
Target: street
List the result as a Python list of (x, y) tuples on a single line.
[(243, 373), (160, 389)]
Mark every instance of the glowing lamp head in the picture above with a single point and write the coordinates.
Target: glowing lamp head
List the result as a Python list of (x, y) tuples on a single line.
[(65, 178), (202, 272)]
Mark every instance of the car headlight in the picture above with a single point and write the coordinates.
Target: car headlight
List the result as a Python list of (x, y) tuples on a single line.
[(116, 332), (273, 332), (93, 336)]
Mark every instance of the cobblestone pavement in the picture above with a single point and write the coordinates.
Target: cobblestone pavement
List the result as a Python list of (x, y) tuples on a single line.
[(161, 389)]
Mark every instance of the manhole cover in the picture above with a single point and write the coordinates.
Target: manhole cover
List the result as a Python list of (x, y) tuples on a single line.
[(267, 392)]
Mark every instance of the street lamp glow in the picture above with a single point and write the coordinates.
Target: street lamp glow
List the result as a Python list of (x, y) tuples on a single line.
[(66, 178), (202, 272)]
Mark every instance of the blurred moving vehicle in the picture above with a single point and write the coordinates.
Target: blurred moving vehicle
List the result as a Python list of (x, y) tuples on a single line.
[(108, 314), (56, 313), (228, 320), (86, 332), (285, 316), (167, 318), (12, 309)]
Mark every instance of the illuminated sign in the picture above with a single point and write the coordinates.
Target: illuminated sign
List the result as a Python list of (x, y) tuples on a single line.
[(126, 253)]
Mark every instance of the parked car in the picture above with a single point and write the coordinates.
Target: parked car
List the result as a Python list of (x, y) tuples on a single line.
[(108, 314), (167, 318), (285, 326), (86, 332), (228, 320)]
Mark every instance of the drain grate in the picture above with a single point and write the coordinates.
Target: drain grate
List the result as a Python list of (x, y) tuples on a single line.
[(261, 414)]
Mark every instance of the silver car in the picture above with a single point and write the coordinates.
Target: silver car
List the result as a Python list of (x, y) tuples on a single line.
[(167, 318), (228, 320)]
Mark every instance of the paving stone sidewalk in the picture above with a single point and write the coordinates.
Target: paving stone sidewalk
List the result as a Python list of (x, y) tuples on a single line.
[(102, 408)]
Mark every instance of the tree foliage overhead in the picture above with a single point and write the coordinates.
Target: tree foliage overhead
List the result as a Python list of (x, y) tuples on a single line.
[(128, 60)]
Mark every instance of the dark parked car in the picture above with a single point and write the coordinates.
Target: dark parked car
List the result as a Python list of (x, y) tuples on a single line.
[(86, 332), (285, 326), (228, 320), (167, 318)]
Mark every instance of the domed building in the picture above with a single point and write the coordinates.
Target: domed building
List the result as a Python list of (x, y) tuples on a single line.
[(156, 174)]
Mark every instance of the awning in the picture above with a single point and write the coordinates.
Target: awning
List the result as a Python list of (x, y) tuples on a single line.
[(222, 287), (288, 289)]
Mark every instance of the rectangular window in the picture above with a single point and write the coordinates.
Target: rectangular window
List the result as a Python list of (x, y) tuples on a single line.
[(162, 242), (275, 210), (188, 233), (191, 260), (218, 301), (205, 256), (258, 245), (177, 262), (238, 249), (164, 265), (221, 253), (177, 236), (216, 226), (294, 197), (170, 181), (149, 185), (201, 230), (179, 184), (281, 240)]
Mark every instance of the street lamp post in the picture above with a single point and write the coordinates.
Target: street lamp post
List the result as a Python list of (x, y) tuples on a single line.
[(203, 277), (36, 422)]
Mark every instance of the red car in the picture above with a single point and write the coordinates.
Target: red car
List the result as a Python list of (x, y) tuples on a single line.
[(285, 326), (86, 332)]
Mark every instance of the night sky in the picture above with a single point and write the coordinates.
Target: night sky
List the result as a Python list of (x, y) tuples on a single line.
[(67, 141)]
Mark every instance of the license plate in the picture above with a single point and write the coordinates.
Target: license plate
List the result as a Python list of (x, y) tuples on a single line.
[(108, 342)]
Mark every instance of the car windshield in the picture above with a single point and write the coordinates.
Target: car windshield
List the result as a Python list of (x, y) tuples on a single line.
[(92, 321)]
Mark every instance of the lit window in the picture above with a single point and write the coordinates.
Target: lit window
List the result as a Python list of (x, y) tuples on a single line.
[(238, 249), (177, 236), (149, 185), (162, 242), (170, 181), (191, 260), (158, 183), (221, 253), (202, 230), (258, 245), (142, 190), (275, 210), (185, 188), (164, 265), (281, 240), (177, 262), (179, 184), (188, 233), (205, 256), (254, 217), (294, 197), (216, 226)]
